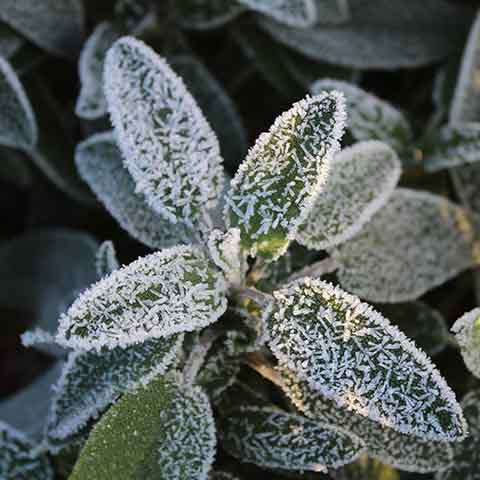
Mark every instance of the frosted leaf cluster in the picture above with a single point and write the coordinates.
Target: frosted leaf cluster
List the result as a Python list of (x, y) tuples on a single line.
[(416, 242), (362, 179), (106, 259), (207, 14), (347, 351), (168, 147), (99, 163), (166, 292), (91, 101), (275, 186), (467, 334), (269, 437)]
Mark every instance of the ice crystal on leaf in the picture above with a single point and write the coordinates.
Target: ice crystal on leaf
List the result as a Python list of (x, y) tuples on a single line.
[(207, 14), (168, 147), (360, 182), (106, 259), (161, 430), (175, 290), (274, 188), (467, 334), (269, 437), (349, 352), (416, 242)]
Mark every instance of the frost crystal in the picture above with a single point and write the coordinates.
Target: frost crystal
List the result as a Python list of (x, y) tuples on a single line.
[(99, 163), (351, 354), (295, 13), (161, 430), (414, 243), (275, 186), (106, 259), (18, 127), (171, 291), (271, 438), (91, 102), (207, 14), (361, 180), (168, 147), (467, 333)]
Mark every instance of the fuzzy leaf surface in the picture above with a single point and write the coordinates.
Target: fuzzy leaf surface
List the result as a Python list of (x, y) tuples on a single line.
[(467, 334)]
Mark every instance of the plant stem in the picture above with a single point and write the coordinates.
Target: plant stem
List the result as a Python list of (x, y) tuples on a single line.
[(260, 298), (259, 362)]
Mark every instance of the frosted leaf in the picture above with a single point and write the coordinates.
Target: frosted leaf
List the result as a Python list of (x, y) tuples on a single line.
[(90, 381), (381, 34), (106, 259), (17, 460), (18, 126), (10, 41), (269, 437), (416, 242), (402, 451), (465, 181), (166, 292), (455, 145), (91, 101), (99, 163), (465, 106), (161, 430), (350, 353), (275, 186), (467, 334), (369, 117), (332, 11), (466, 460), (207, 14), (361, 180), (295, 13), (168, 147), (54, 26)]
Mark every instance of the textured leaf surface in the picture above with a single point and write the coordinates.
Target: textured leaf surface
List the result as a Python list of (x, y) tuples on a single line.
[(55, 26), (161, 430), (275, 186), (416, 242), (207, 14), (332, 11), (99, 163), (271, 438), (166, 292), (467, 334), (350, 353), (106, 259), (381, 34), (361, 180), (18, 126), (168, 146)]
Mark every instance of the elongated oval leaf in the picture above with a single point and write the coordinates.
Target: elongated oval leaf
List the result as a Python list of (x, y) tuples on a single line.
[(271, 438), (55, 26), (161, 430), (353, 355), (18, 126), (106, 259), (171, 291), (275, 186), (361, 180), (207, 14), (99, 163), (168, 146), (414, 243), (467, 333)]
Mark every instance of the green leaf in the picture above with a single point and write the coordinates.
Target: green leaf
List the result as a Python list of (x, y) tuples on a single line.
[(171, 291), (361, 180), (416, 242), (106, 259), (467, 334), (269, 437), (350, 353), (161, 430), (206, 14), (275, 186)]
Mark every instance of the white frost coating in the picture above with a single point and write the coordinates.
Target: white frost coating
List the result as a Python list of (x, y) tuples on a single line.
[(91, 101), (295, 13), (268, 437), (99, 163), (106, 259), (405, 452), (171, 291), (416, 242), (275, 187), (90, 381), (465, 106), (18, 126), (37, 336), (467, 334), (168, 146), (361, 180), (369, 117), (350, 353), (207, 14)]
